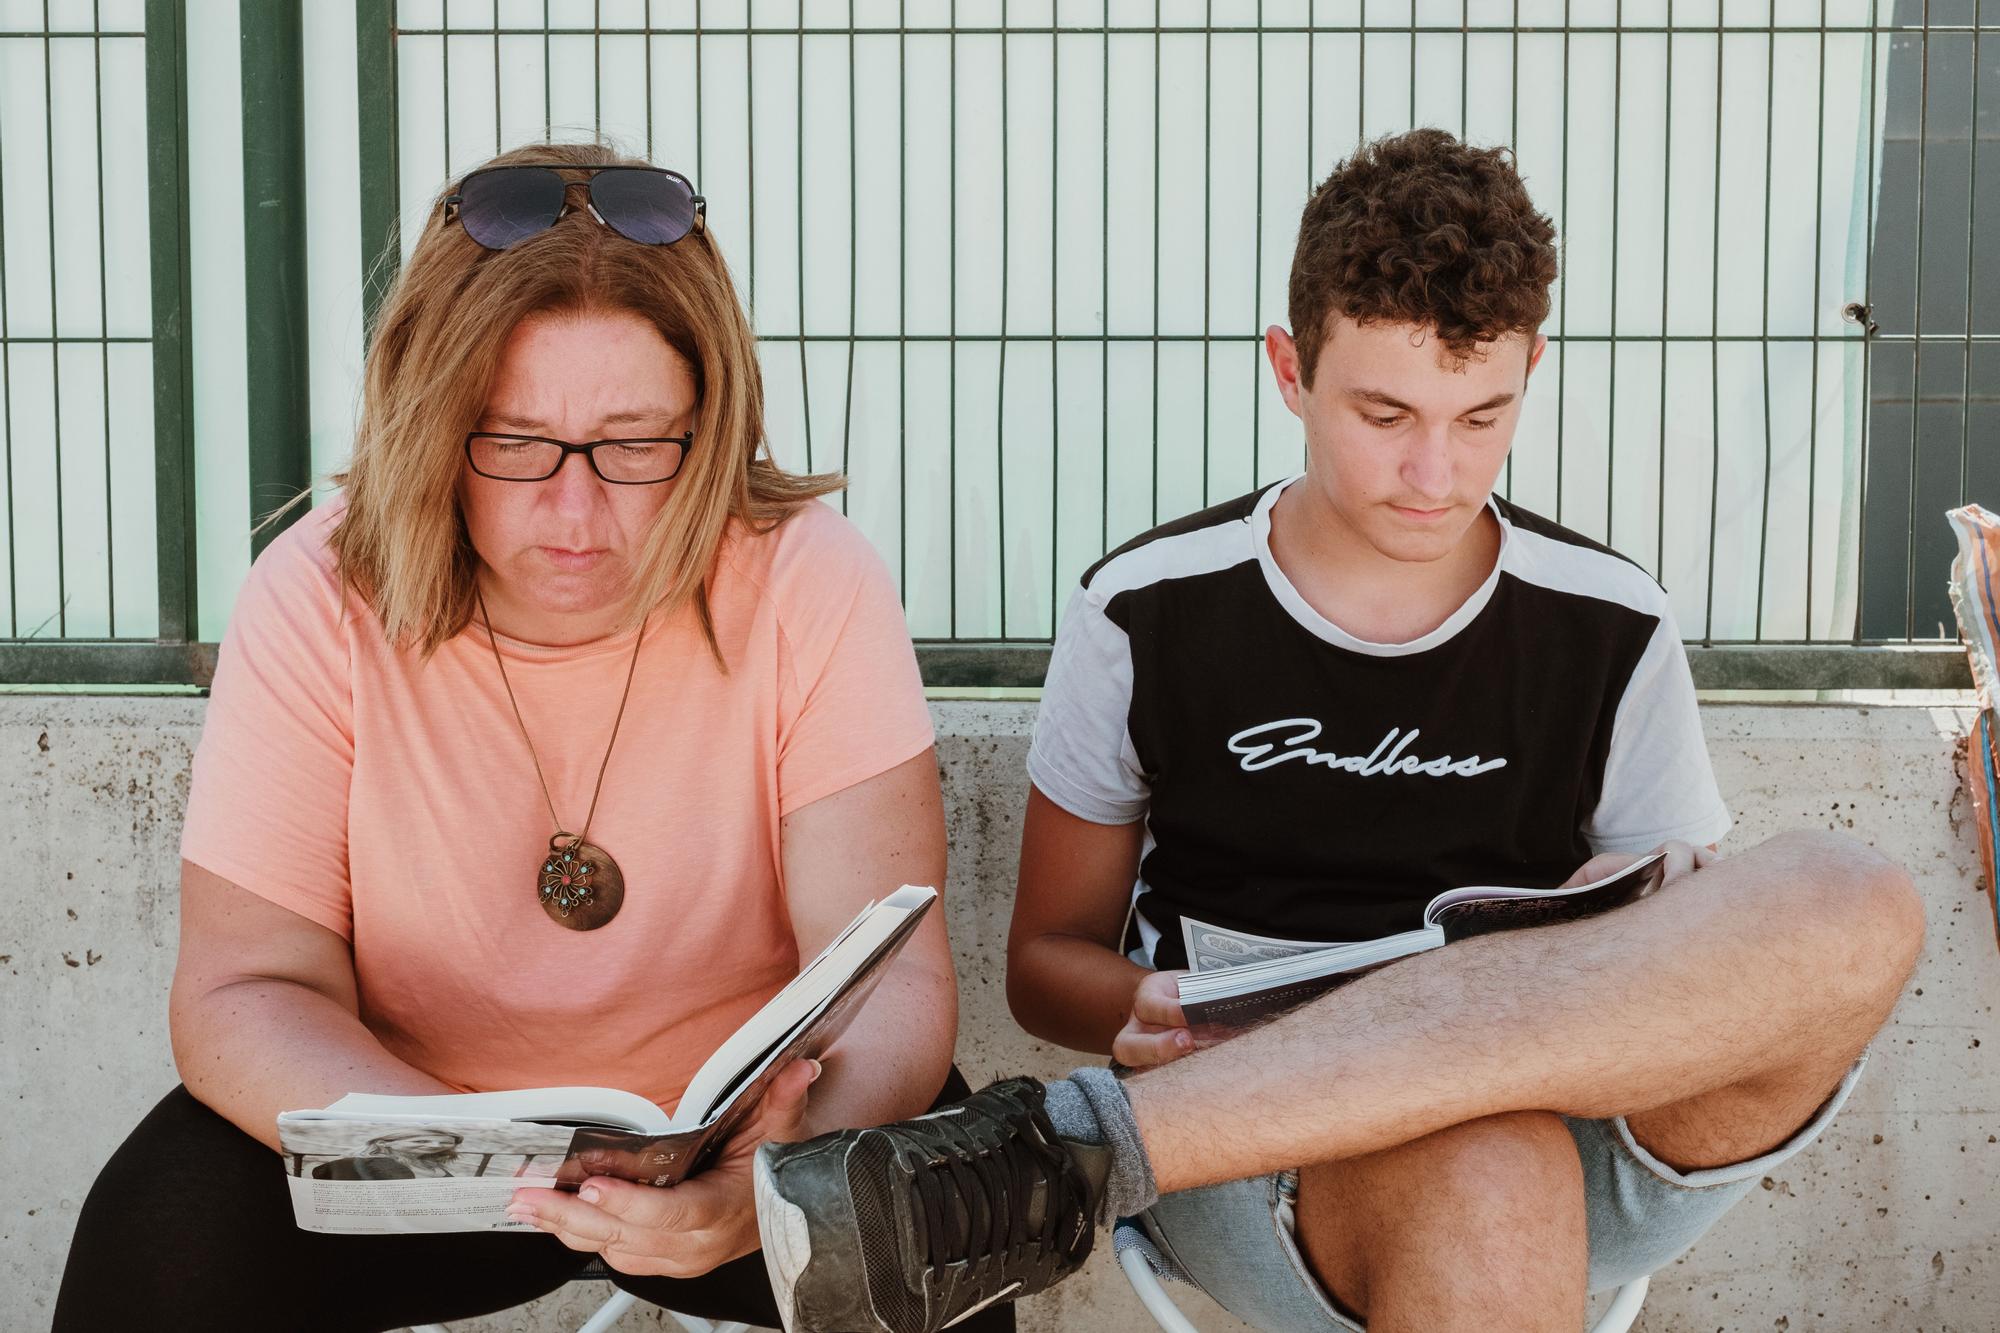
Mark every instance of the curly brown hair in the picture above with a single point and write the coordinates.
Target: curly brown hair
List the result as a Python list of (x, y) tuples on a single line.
[(1420, 228)]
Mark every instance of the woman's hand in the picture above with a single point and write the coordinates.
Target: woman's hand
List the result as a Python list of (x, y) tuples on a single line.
[(1682, 858), (687, 1229), (1155, 1031)]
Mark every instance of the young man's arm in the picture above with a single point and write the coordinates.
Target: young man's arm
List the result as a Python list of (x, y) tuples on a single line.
[(1067, 982)]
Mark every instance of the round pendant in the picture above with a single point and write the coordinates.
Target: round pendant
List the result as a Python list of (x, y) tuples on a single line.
[(580, 886)]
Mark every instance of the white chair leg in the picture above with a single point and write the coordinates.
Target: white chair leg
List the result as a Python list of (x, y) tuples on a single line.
[(1624, 1307), (1146, 1286), (609, 1312), (696, 1324), (428, 1328)]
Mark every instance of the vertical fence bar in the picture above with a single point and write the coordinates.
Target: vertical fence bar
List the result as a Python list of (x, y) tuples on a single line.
[(853, 254), (1812, 400), (1157, 158), (1867, 329), (1666, 296), (1055, 325), (1562, 301), (103, 321), (375, 89), (1917, 322), (7, 406), (496, 81), (274, 261), (1611, 409), (902, 299), (1257, 270), (1714, 340), (799, 229), (1207, 223), (951, 320), (1104, 288), (1000, 391), (173, 362), (55, 320), (1971, 230), (1514, 146), (1764, 327)]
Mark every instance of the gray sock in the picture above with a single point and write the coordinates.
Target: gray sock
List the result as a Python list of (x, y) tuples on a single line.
[(1090, 1106)]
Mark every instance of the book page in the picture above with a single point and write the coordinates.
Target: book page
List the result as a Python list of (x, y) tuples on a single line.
[(1212, 948), (368, 1207), (568, 1105)]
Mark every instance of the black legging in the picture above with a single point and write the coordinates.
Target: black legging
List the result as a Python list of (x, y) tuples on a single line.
[(189, 1226)]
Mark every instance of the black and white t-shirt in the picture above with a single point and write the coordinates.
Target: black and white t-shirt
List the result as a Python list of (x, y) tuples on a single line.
[(1301, 783)]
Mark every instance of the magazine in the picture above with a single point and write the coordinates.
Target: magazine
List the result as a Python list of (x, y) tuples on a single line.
[(1237, 979), (372, 1164)]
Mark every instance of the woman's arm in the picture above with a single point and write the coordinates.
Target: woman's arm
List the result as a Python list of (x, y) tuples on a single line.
[(263, 1013), (841, 852)]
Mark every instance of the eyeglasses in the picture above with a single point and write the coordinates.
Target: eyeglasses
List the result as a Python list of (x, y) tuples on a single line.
[(503, 206), (533, 458)]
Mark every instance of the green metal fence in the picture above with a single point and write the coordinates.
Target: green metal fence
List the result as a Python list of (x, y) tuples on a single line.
[(92, 475), (1087, 394)]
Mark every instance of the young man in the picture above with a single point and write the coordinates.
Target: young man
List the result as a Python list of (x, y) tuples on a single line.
[(1301, 714)]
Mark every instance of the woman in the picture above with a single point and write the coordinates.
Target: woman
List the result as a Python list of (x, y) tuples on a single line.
[(527, 768), (402, 1155)]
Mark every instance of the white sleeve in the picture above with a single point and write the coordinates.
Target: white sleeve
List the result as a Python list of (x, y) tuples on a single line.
[(1658, 784), (1082, 756)]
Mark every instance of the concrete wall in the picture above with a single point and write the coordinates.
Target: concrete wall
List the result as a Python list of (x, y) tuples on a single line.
[(1888, 1223)]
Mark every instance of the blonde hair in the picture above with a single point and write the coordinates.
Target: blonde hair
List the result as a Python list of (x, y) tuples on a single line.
[(402, 543)]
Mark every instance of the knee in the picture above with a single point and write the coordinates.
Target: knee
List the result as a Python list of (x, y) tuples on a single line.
[(1507, 1189), (1868, 913), (1502, 1171), (1488, 1214)]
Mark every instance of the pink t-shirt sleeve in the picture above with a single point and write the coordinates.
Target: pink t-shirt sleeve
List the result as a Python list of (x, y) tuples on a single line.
[(851, 701), (268, 806)]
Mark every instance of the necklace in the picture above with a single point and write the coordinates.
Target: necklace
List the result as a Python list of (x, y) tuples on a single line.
[(579, 885)]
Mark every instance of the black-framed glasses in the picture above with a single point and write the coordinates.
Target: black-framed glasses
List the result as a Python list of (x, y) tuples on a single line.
[(503, 206), (642, 462)]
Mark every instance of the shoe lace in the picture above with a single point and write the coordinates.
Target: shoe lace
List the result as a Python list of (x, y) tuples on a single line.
[(976, 1197)]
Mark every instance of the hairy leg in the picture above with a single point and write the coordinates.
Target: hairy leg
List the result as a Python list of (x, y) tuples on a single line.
[(1473, 1227), (1715, 1014)]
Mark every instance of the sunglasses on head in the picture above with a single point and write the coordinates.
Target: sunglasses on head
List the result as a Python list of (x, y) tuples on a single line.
[(503, 206)]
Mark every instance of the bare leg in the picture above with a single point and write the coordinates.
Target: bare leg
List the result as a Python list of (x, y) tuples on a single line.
[(1717, 1014), (1478, 1226)]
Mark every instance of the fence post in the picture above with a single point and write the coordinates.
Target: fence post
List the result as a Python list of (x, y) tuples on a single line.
[(173, 361), (274, 261), (375, 80)]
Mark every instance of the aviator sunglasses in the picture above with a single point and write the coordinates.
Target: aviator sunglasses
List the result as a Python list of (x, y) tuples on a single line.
[(503, 206)]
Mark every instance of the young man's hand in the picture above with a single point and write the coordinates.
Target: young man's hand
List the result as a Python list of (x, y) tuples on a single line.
[(1155, 1031), (1681, 859)]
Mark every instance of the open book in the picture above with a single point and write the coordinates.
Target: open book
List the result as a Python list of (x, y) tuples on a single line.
[(376, 1164), (1238, 979)]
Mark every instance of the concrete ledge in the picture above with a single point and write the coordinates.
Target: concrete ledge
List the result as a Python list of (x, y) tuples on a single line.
[(1889, 1222)]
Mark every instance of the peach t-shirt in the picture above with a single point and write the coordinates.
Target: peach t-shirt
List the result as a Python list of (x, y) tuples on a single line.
[(393, 801)]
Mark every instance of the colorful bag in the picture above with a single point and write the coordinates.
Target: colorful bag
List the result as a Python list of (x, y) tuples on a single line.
[(1975, 595)]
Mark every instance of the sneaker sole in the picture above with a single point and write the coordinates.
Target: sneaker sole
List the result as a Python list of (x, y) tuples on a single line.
[(786, 1239)]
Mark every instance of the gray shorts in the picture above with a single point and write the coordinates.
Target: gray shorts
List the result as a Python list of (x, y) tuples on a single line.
[(1235, 1239)]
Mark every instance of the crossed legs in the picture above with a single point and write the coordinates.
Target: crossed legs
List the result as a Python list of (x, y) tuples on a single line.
[(1441, 1187)]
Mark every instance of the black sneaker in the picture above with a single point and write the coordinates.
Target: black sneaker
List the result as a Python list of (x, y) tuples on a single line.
[(911, 1227)]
